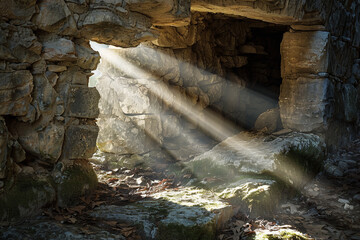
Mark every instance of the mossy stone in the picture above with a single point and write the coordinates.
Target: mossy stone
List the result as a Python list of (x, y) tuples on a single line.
[(254, 196), (73, 180), (284, 234), (26, 197)]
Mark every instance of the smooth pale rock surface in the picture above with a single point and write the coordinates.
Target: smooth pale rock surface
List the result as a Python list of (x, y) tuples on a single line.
[(187, 213), (305, 103), (129, 134), (304, 53), (288, 157)]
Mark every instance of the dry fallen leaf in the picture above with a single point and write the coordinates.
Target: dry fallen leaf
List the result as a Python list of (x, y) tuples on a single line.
[(71, 220), (111, 223)]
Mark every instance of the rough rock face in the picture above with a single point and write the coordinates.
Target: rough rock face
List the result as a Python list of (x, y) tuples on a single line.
[(185, 213), (47, 112), (290, 157)]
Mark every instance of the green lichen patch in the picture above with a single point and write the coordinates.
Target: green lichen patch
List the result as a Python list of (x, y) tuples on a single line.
[(26, 197), (284, 234), (73, 181), (254, 196)]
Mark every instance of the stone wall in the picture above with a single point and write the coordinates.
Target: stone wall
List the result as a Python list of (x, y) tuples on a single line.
[(47, 113), (319, 91), (47, 110)]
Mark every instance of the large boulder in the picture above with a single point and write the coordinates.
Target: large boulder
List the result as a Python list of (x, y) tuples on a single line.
[(292, 157)]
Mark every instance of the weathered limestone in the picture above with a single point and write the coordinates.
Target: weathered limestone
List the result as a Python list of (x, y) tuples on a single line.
[(45, 144), (306, 95), (290, 157), (55, 16), (80, 141), (163, 12), (82, 102), (120, 29), (15, 90), (256, 197), (305, 103), (281, 12), (59, 50), (304, 53), (185, 213)]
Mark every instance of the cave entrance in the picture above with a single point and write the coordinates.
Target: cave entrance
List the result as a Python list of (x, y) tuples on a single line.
[(191, 88)]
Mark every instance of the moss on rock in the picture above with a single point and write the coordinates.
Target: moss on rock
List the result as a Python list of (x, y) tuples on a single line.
[(284, 234), (296, 165), (73, 179), (26, 197), (254, 196)]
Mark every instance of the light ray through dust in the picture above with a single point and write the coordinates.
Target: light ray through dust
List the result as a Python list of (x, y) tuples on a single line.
[(215, 125)]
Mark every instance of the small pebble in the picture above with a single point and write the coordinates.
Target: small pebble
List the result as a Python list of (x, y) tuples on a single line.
[(344, 201), (357, 197), (348, 207)]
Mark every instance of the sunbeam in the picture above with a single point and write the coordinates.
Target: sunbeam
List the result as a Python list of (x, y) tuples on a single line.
[(210, 122)]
